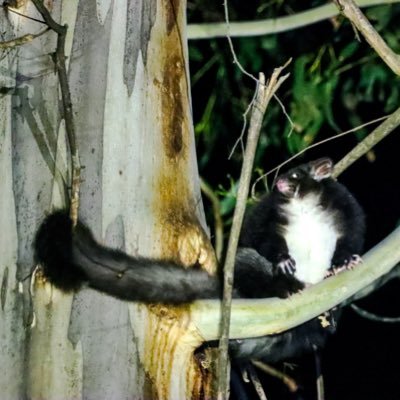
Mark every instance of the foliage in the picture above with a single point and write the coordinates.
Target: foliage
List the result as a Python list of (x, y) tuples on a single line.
[(337, 82)]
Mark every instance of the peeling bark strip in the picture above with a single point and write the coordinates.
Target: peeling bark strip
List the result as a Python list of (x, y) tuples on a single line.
[(172, 104), (182, 237), (140, 18), (174, 85), (168, 355), (171, 7), (4, 287)]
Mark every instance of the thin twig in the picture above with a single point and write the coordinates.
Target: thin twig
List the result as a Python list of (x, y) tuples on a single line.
[(374, 317), (380, 132), (19, 41), (256, 383), (243, 70), (286, 379), (318, 144), (244, 126), (320, 377), (8, 8), (218, 223), (59, 60), (228, 36), (272, 25), (351, 11), (264, 95), (236, 61), (285, 113)]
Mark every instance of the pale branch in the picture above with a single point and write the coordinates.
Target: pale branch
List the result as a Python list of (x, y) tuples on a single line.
[(60, 63), (351, 11), (218, 223), (374, 317), (252, 318), (258, 105), (264, 94), (19, 41), (243, 188), (255, 380), (381, 281), (380, 132), (286, 379), (320, 388), (320, 377), (274, 25)]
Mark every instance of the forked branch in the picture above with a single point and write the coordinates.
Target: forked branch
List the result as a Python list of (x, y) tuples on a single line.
[(60, 63), (351, 11), (265, 92)]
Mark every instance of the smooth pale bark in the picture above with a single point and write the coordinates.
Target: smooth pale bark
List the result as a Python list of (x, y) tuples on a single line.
[(12, 333), (28, 87), (140, 192)]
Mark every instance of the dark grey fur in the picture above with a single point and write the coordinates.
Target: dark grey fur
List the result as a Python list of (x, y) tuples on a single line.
[(71, 258)]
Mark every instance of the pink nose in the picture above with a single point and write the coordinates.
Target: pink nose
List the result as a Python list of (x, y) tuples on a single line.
[(281, 184)]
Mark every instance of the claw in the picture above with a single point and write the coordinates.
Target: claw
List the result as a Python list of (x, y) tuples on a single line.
[(354, 261), (287, 266), (348, 264)]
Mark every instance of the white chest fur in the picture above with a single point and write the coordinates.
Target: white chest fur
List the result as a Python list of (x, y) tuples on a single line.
[(311, 237)]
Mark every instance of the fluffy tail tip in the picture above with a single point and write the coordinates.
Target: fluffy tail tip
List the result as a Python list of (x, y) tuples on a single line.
[(53, 250)]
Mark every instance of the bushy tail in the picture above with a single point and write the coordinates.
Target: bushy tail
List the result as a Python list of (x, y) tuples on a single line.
[(294, 342), (72, 257)]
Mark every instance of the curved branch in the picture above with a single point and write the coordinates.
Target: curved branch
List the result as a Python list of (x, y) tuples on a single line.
[(351, 11), (374, 317), (394, 273), (269, 26), (251, 318), (268, 369), (380, 132)]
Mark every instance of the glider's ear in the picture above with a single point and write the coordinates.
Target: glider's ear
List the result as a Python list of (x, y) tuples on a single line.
[(321, 168)]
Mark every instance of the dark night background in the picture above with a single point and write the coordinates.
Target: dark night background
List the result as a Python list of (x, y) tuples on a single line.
[(362, 361)]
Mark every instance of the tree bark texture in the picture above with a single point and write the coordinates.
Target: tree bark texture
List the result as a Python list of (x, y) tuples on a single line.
[(128, 75)]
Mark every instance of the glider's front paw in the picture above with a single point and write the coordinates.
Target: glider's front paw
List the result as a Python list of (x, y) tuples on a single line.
[(347, 264), (287, 265)]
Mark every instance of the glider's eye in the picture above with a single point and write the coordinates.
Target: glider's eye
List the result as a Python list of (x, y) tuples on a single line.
[(294, 175)]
